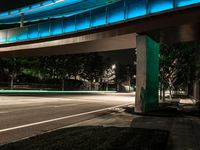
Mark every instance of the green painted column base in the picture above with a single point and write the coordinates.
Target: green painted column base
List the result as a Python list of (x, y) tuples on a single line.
[(147, 74)]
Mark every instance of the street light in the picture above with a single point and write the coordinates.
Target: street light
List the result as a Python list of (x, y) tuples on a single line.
[(113, 66)]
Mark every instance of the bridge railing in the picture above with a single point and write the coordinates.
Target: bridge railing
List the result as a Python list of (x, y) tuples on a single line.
[(111, 14)]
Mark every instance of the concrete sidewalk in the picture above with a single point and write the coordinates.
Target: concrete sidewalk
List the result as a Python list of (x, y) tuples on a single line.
[(184, 129)]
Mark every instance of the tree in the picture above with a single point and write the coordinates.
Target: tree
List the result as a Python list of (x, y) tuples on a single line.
[(75, 65), (131, 71), (93, 68), (13, 66), (121, 74), (68, 66), (177, 66), (108, 75), (2, 70)]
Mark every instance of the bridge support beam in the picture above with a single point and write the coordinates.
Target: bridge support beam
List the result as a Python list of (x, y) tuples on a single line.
[(147, 74)]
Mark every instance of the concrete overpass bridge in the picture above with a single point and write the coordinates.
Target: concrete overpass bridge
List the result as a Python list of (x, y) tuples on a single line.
[(137, 24)]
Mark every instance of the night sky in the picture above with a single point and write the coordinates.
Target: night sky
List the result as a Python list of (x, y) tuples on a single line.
[(12, 4)]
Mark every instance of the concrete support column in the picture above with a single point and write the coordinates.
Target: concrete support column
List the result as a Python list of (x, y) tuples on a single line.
[(196, 90), (147, 74), (22, 20)]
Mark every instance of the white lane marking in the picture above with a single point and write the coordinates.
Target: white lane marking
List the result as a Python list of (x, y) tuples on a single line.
[(61, 118)]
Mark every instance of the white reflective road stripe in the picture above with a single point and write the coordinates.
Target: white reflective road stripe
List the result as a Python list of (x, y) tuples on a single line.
[(61, 118)]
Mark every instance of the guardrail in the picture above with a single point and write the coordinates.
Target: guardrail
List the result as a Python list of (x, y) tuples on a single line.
[(113, 13)]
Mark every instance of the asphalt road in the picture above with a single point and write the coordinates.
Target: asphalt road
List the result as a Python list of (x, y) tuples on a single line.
[(26, 116)]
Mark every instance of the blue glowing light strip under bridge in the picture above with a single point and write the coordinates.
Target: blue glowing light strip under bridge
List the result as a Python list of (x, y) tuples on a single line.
[(113, 13)]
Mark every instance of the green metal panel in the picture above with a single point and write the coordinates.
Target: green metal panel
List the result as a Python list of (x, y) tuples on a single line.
[(152, 71)]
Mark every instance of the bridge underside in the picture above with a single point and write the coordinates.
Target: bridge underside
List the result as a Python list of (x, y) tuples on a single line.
[(104, 41), (84, 44), (145, 34), (170, 27)]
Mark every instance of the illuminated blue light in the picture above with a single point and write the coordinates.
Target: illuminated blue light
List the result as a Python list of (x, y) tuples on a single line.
[(12, 35), (58, 1), (116, 12), (3, 36), (33, 32), (23, 33), (135, 8), (69, 24), (44, 29), (14, 12), (56, 27), (101, 16), (83, 21), (3, 14), (24, 9), (51, 8), (160, 5), (3, 40), (181, 3), (98, 17)]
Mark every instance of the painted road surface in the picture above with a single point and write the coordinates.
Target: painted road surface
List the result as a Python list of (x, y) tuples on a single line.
[(26, 116)]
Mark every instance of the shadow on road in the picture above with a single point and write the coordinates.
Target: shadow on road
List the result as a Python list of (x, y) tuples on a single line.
[(94, 138)]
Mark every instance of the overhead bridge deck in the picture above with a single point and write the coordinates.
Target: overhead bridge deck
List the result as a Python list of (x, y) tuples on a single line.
[(183, 25), (108, 28)]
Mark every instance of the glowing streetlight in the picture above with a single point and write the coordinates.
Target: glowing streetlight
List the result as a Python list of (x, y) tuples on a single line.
[(114, 66)]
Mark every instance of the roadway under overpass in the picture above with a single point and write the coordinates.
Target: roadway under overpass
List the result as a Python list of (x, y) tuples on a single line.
[(145, 34)]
